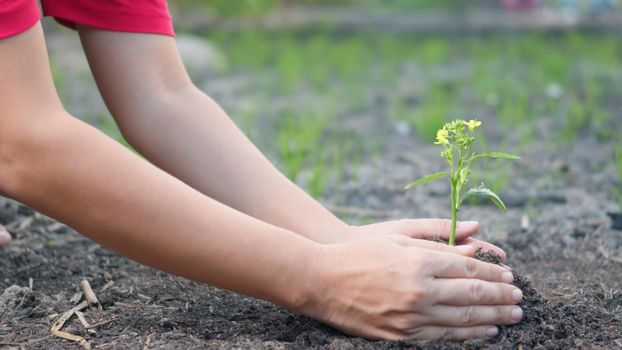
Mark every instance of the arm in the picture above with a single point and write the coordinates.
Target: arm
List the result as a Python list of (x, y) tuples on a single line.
[(183, 131), (72, 172)]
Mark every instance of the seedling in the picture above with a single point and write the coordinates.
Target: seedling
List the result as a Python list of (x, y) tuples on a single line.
[(456, 137)]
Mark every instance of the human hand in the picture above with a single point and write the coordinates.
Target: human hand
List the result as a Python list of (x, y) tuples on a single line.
[(424, 229), (395, 287)]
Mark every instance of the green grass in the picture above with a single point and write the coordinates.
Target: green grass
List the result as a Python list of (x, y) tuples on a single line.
[(252, 8), (298, 138), (511, 81), (303, 85)]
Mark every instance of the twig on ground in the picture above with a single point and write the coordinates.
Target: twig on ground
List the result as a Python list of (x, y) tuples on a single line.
[(55, 226), (147, 342), (89, 299), (106, 286), (83, 320), (524, 222), (101, 323), (56, 327), (89, 295), (67, 315), (74, 338), (85, 323), (75, 298), (608, 256), (127, 305)]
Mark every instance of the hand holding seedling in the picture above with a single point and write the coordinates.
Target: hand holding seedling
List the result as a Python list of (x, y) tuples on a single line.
[(396, 287), (457, 138), (424, 229)]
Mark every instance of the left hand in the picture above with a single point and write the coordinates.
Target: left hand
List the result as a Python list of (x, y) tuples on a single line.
[(424, 229)]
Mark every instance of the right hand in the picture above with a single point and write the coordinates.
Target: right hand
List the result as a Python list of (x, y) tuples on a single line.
[(396, 287)]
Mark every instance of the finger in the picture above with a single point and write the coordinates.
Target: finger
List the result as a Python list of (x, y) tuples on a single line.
[(5, 237), (456, 266), (456, 333), (436, 228), (464, 316), (466, 250), (463, 292), (484, 246)]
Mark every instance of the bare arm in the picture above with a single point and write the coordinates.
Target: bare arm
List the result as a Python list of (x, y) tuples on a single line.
[(72, 172), (183, 131)]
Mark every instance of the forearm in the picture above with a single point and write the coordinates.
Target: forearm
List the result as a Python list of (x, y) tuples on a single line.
[(190, 136), (72, 172)]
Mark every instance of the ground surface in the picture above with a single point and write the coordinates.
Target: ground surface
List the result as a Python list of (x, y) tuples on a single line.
[(568, 252), (353, 128)]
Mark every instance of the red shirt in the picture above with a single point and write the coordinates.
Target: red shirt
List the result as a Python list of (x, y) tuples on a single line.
[(141, 16)]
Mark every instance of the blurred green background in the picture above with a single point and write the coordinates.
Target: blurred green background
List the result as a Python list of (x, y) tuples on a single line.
[(323, 86)]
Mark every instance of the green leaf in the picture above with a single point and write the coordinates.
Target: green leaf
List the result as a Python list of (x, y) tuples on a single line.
[(494, 155), (425, 180), (481, 190)]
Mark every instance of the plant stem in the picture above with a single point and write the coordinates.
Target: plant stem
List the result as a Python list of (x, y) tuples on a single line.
[(454, 213)]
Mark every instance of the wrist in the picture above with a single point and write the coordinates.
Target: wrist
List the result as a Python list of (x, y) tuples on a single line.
[(303, 295), (337, 233)]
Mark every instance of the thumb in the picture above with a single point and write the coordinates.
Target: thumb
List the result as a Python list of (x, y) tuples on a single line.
[(466, 250), (432, 228)]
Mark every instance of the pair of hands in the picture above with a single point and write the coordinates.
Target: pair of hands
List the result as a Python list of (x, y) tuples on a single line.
[(387, 281)]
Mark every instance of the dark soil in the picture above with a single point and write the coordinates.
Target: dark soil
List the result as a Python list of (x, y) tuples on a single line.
[(616, 220), (577, 271), (557, 325)]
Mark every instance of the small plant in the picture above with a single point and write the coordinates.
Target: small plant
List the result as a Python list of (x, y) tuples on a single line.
[(456, 137)]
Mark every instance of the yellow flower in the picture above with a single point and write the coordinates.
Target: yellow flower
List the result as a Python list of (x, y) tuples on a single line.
[(441, 137), (472, 124)]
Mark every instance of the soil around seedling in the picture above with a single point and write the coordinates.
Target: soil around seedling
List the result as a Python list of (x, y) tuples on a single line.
[(567, 261), (556, 325), (145, 306)]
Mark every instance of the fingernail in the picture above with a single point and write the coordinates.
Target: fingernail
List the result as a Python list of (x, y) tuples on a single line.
[(517, 314), (468, 225), (492, 331), (465, 249), (507, 277), (517, 295)]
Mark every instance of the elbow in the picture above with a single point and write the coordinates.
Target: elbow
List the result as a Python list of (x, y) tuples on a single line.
[(24, 140), (12, 142)]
